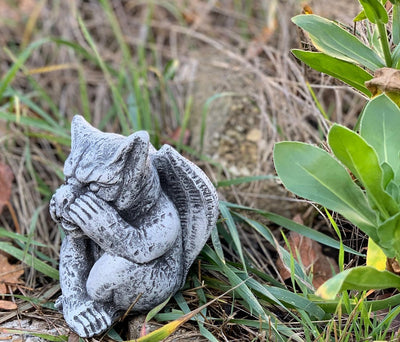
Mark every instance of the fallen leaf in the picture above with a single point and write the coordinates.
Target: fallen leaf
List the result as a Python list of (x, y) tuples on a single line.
[(6, 179), (174, 137), (7, 305), (385, 80), (311, 257), (189, 16), (307, 9), (393, 266), (9, 274)]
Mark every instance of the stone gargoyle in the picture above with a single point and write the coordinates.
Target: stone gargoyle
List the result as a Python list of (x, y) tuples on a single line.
[(135, 219)]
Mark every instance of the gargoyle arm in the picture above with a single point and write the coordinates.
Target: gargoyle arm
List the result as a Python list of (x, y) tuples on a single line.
[(152, 238)]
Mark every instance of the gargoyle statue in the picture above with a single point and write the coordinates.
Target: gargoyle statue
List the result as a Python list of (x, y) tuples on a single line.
[(135, 219)]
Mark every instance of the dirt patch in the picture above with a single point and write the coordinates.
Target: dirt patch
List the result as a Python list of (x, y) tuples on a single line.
[(253, 102)]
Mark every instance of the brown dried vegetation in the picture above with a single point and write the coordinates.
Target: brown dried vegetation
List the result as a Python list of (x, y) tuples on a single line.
[(242, 48)]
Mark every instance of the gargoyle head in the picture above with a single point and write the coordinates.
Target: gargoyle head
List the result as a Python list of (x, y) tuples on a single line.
[(110, 165)]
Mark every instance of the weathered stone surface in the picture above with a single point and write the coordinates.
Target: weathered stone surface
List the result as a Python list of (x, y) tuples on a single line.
[(135, 219)]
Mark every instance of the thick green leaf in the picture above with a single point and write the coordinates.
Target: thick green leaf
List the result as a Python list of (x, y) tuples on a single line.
[(394, 191), (358, 278), (334, 41), (388, 175), (347, 72), (389, 236), (314, 174), (360, 16), (380, 128), (355, 153), (375, 11), (375, 256)]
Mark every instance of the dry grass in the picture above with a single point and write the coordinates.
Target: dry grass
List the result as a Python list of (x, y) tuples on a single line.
[(220, 46)]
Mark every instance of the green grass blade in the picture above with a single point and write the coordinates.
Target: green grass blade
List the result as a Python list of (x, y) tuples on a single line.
[(84, 53), (290, 299), (114, 336), (120, 105), (153, 312), (9, 76), (29, 260), (230, 223), (248, 297), (84, 95), (36, 109), (185, 122), (39, 124), (337, 231), (44, 336), (387, 321), (204, 114), (18, 237), (138, 75), (296, 227), (331, 306), (217, 243)]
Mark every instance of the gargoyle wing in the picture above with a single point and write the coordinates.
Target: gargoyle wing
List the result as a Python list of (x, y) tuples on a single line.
[(194, 197)]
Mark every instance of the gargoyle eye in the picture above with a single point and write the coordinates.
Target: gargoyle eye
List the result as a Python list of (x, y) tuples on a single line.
[(94, 187)]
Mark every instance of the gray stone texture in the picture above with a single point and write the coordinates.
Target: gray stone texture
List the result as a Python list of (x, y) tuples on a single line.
[(135, 220)]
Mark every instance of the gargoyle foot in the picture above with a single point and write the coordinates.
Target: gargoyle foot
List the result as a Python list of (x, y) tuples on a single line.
[(89, 318)]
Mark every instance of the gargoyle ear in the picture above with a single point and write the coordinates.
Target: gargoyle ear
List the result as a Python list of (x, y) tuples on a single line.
[(137, 142), (135, 149), (80, 128)]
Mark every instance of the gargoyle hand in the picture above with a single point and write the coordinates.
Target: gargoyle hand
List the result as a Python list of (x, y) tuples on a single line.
[(92, 214)]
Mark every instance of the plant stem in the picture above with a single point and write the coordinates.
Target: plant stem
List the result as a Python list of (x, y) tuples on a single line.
[(385, 44)]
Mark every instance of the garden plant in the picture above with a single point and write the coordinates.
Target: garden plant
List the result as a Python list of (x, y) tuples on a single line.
[(361, 182), (357, 173)]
